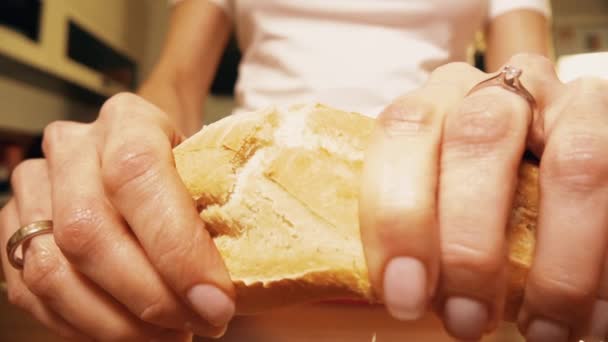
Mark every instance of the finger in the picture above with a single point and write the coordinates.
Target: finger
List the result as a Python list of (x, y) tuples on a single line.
[(573, 216), (18, 294), (97, 241), (49, 276), (399, 185), (540, 79), (140, 177), (483, 143), (598, 323)]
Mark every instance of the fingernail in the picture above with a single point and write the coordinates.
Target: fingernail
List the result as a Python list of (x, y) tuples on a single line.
[(542, 330), (405, 288), (205, 330), (465, 318), (219, 333), (212, 304), (598, 327)]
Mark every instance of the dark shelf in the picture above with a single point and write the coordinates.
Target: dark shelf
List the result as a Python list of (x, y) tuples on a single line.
[(88, 50), (22, 72), (22, 16)]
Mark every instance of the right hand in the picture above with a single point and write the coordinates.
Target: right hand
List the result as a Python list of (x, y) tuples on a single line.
[(439, 185), (129, 258)]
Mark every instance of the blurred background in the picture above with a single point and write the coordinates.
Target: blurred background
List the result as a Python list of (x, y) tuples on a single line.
[(60, 59)]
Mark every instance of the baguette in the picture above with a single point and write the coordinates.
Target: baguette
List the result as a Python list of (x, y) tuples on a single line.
[(278, 191)]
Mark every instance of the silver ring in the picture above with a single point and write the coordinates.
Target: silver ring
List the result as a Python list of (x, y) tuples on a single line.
[(21, 236), (508, 78)]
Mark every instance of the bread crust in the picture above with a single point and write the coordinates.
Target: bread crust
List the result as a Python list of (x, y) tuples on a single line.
[(278, 190)]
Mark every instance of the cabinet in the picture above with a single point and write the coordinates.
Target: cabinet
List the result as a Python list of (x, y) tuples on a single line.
[(60, 59)]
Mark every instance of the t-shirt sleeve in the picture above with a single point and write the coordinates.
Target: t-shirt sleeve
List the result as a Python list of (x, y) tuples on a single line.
[(498, 7), (225, 5)]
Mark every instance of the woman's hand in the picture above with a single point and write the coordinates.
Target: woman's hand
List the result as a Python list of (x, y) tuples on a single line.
[(439, 184), (129, 258)]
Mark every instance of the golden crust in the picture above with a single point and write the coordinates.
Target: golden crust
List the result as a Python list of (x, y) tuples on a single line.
[(278, 190), (220, 149), (521, 236)]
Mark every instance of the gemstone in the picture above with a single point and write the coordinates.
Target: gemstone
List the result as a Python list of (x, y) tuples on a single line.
[(511, 73)]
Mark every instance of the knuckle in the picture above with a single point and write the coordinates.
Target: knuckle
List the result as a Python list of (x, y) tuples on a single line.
[(129, 164), (171, 255), (472, 256), (449, 70), (118, 105), (26, 171), (407, 118), (41, 269), (53, 133), (561, 286), (77, 233), (579, 161), (57, 133), (171, 250), (480, 124), (128, 105)]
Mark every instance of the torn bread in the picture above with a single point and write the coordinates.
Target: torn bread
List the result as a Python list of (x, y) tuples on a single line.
[(278, 190)]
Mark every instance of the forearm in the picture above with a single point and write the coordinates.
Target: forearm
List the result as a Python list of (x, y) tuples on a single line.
[(180, 82), (183, 106), (521, 31)]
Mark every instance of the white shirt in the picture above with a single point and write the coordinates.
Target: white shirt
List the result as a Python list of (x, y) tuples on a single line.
[(355, 55)]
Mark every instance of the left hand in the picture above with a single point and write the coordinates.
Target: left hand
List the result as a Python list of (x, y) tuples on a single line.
[(438, 188), (127, 240)]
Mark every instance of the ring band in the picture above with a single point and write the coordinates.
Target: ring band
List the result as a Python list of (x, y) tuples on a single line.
[(508, 78), (22, 235)]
